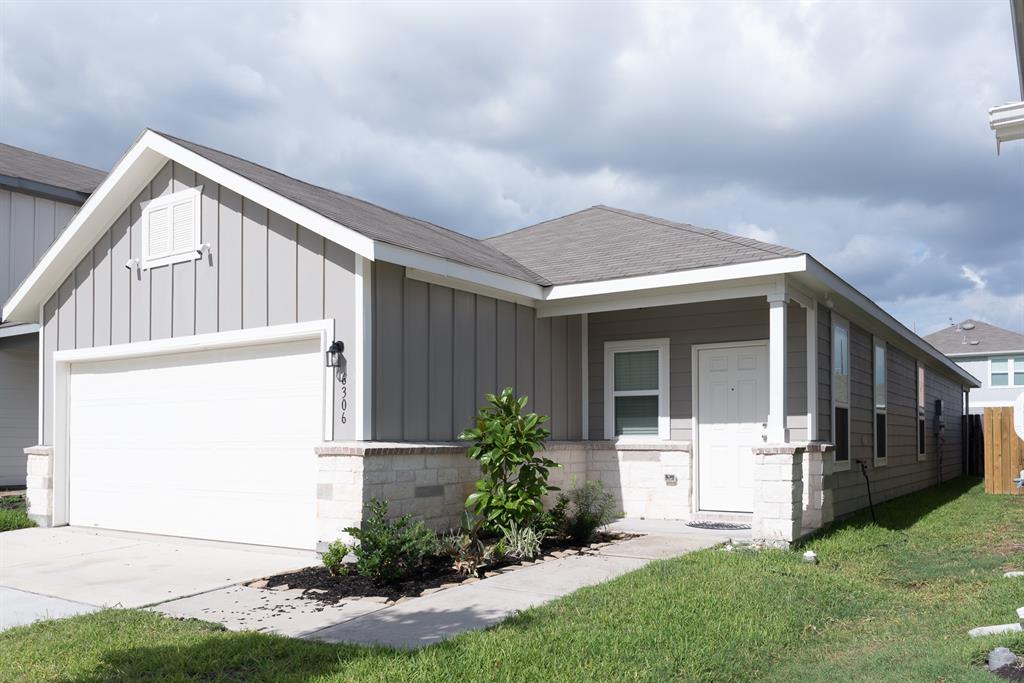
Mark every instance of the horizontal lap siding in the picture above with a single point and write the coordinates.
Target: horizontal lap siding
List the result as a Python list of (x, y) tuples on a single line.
[(902, 473), (824, 374), (437, 351), (260, 269), (734, 320)]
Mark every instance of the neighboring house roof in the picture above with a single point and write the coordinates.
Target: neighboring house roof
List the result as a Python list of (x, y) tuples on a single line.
[(34, 173), (373, 221), (602, 243), (958, 340)]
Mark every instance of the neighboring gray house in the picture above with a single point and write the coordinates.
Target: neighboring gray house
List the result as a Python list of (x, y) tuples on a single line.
[(993, 355), (38, 196), (189, 309)]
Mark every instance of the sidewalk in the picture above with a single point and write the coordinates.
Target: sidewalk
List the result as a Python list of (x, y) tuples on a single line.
[(429, 619)]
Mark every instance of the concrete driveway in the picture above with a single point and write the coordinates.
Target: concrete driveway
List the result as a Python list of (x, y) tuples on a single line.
[(46, 573)]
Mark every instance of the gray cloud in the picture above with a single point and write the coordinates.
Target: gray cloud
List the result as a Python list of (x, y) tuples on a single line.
[(854, 131)]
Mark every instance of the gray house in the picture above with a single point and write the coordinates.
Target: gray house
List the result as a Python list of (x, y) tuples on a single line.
[(188, 385), (38, 196), (992, 354)]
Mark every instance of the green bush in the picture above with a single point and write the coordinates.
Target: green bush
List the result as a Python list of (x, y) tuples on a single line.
[(515, 478), (390, 551), (335, 556), (581, 512), (12, 514)]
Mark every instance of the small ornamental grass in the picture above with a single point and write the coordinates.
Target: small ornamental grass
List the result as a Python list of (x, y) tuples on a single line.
[(580, 513), (13, 515), (515, 478)]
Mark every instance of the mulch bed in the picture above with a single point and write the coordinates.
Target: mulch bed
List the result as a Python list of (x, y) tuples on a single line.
[(316, 583)]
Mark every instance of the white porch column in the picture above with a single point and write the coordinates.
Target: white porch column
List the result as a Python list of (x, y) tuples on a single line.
[(777, 303)]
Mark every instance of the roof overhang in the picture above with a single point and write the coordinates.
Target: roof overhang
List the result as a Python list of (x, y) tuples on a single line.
[(1008, 122), (44, 190), (985, 354), (138, 166)]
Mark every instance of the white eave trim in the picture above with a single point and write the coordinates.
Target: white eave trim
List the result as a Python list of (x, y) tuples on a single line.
[(775, 266), (843, 289), (985, 354), (1008, 122), (18, 330)]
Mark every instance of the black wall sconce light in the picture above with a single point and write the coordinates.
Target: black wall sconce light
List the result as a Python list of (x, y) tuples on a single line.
[(334, 354)]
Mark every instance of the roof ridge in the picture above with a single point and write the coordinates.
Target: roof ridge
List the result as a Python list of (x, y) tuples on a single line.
[(537, 225), (708, 232)]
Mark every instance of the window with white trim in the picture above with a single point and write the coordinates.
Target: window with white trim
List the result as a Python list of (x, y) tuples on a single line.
[(841, 391), (171, 228), (920, 412), (881, 405), (636, 389), (1006, 372)]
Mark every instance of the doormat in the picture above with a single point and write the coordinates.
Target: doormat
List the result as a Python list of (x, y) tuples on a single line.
[(719, 526)]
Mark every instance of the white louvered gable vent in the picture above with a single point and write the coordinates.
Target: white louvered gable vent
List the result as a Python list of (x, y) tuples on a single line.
[(171, 228)]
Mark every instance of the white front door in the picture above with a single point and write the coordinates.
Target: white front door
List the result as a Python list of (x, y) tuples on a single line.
[(213, 444), (732, 415)]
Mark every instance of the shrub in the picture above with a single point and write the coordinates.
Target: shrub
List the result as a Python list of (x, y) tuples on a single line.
[(12, 514), (523, 543), (515, 478), (390, 551), (335, 556), (581, 512)]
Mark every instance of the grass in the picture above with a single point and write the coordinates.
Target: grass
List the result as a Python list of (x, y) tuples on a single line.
[(12, 514), (890, 601)]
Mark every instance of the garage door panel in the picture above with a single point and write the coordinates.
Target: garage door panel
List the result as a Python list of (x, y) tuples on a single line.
[(211, 444)]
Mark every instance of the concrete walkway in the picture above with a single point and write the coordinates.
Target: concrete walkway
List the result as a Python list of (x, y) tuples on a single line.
[(440, 615), (47, 573)]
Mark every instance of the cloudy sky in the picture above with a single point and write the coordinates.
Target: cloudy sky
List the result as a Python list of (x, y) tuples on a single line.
[(857, 132)]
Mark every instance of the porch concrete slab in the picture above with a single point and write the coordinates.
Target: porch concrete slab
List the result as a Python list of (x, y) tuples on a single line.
[(241, 608), (19, 608), (433, 618), (109, 568)]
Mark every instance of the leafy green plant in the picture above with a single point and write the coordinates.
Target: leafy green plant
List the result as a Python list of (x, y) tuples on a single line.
[(581, 512), (335, 556), (390, 551), (515, 478), (523, 543), (13, 515)]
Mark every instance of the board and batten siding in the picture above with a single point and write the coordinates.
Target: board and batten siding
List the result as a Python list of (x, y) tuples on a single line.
[(261, 270), (734, 320), (438, 351), (28, 226), (19, 368), (902, 472)]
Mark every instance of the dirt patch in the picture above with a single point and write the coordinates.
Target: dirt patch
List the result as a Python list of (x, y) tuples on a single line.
[(1011, 672), (317, 584)]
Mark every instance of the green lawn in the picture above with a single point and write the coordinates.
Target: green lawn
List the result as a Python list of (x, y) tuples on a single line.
[(12, 513), (889, 602)]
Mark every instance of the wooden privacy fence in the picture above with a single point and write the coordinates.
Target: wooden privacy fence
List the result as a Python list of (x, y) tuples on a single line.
[(1004, 452)]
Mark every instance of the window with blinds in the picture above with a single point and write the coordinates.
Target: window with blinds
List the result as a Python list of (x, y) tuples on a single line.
[(171, 228), (637, 391)]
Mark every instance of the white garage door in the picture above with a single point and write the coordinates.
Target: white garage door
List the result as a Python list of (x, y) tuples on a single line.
[(211, 444)]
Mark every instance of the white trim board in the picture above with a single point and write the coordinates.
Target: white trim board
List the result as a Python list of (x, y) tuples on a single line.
[(26, 328)]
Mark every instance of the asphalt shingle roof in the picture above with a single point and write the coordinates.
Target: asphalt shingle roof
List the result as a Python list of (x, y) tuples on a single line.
[(371, 220), (991, 339), (602, 243), (16, 162)]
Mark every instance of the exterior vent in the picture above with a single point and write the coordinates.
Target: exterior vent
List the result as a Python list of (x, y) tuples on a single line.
[(171, 229)]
